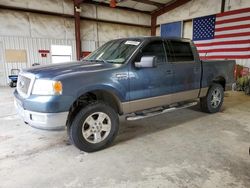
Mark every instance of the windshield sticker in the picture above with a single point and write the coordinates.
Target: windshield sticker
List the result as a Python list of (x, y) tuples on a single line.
[(130, 42)]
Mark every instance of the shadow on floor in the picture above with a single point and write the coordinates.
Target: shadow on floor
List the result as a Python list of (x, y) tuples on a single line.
[(139, 128)]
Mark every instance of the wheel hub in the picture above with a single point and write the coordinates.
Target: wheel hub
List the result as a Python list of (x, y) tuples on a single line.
[(96, 127), (216, 98)]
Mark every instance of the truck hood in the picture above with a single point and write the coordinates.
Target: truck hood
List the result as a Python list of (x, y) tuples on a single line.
[(60, 69)]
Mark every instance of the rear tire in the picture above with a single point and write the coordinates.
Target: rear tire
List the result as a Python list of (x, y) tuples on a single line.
[(213, 100), (94, 127)]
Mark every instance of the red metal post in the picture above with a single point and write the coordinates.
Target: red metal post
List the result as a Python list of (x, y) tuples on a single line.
[(77, 29), (153, 25)]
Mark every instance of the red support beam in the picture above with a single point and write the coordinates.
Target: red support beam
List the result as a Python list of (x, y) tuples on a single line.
[(77, 11), (169, 6), (153, 25)]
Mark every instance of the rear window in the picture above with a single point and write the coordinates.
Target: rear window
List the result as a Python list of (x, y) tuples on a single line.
[(182, 51)]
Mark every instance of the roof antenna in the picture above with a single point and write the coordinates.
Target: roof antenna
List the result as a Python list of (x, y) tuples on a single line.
[(205, 55)]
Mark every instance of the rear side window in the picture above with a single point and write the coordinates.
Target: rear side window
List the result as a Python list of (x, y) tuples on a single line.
[(170, 55), (182, 51)]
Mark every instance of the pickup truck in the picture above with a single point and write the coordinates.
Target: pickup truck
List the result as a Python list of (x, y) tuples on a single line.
[(136, 77)]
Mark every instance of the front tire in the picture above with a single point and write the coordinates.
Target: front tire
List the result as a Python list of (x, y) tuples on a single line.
[(213, 100), (94, 127)]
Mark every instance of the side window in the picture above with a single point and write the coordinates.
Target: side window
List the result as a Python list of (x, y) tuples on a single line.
[(182, 51), (155, 48)]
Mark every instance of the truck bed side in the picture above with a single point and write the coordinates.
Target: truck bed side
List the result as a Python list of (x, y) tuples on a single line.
[(222, 70)]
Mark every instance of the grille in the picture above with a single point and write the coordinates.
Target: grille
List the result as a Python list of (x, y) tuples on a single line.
[(23, 84)]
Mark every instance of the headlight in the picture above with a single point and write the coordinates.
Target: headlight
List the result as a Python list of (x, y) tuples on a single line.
[(47, 87)]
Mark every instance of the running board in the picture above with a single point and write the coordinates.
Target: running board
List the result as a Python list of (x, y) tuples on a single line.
[(151, 114)]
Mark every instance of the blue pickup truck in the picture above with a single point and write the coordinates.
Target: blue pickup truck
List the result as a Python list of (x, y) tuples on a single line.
[(136, 77)]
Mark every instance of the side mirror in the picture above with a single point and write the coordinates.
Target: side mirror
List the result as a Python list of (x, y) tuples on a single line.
[(146, 62)]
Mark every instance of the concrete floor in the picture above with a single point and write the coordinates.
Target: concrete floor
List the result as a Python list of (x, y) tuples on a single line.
[(186, 148)]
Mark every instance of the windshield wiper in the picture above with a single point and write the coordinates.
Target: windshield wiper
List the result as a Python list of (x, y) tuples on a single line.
[(105, 61), (97, 60)]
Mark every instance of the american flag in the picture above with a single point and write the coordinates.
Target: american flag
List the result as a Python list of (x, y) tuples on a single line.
[(223, 36)]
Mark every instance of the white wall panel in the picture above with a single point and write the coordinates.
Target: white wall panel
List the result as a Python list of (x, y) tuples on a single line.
[(158, 31), (195, 8), (88, 10), (14, 23), (16, 3), (35, 25), (2, 67), (236, 4), (188, 29), (88, 30), (69, 27), (68, 7), (244, 62), (89, 45), (123, 16), (113, 31), (47, 5), (31, 45), (107, 31), (47, 27)]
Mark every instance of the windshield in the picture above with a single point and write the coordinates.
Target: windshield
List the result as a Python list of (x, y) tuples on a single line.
[(117, 51)]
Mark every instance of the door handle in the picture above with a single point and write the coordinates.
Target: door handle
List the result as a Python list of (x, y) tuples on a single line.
[(196, 69), (169, 72)]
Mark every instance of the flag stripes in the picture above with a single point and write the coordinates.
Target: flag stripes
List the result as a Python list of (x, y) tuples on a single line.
[(230, 38)]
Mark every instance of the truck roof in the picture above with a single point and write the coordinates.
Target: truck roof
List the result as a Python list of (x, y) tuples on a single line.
[(155, 37)]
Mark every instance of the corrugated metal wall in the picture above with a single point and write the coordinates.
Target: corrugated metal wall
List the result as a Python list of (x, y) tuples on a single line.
[(244, 62), (32, 45), (33, 32)]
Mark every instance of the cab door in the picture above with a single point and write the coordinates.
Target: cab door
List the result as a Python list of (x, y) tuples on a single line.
[(187, 71), (154, 81)]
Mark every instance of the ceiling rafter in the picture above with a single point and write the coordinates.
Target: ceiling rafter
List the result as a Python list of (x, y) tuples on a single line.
[(169, 6), (148, 2), (118, 7)]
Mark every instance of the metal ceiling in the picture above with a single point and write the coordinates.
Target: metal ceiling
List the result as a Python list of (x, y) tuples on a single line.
[(141, 5), (153, 7)]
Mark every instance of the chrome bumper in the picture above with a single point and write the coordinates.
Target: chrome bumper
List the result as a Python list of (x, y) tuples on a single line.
[(45, 121)]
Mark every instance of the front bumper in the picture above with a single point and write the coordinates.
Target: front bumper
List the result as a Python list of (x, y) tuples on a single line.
[(45, 121)]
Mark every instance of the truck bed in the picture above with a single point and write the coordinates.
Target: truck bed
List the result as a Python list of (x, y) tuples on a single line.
[(218, 68)]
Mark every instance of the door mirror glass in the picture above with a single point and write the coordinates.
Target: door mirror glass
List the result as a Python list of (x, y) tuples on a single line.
[(146, 62)]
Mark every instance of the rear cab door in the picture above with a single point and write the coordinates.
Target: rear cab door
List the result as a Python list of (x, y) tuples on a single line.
[(187, 69)]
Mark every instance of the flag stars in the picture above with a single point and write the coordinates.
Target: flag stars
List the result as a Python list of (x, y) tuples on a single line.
[(204, 28)]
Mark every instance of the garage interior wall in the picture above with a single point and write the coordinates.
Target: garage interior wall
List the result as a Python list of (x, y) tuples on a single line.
[(198, 8), (33, 32)]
